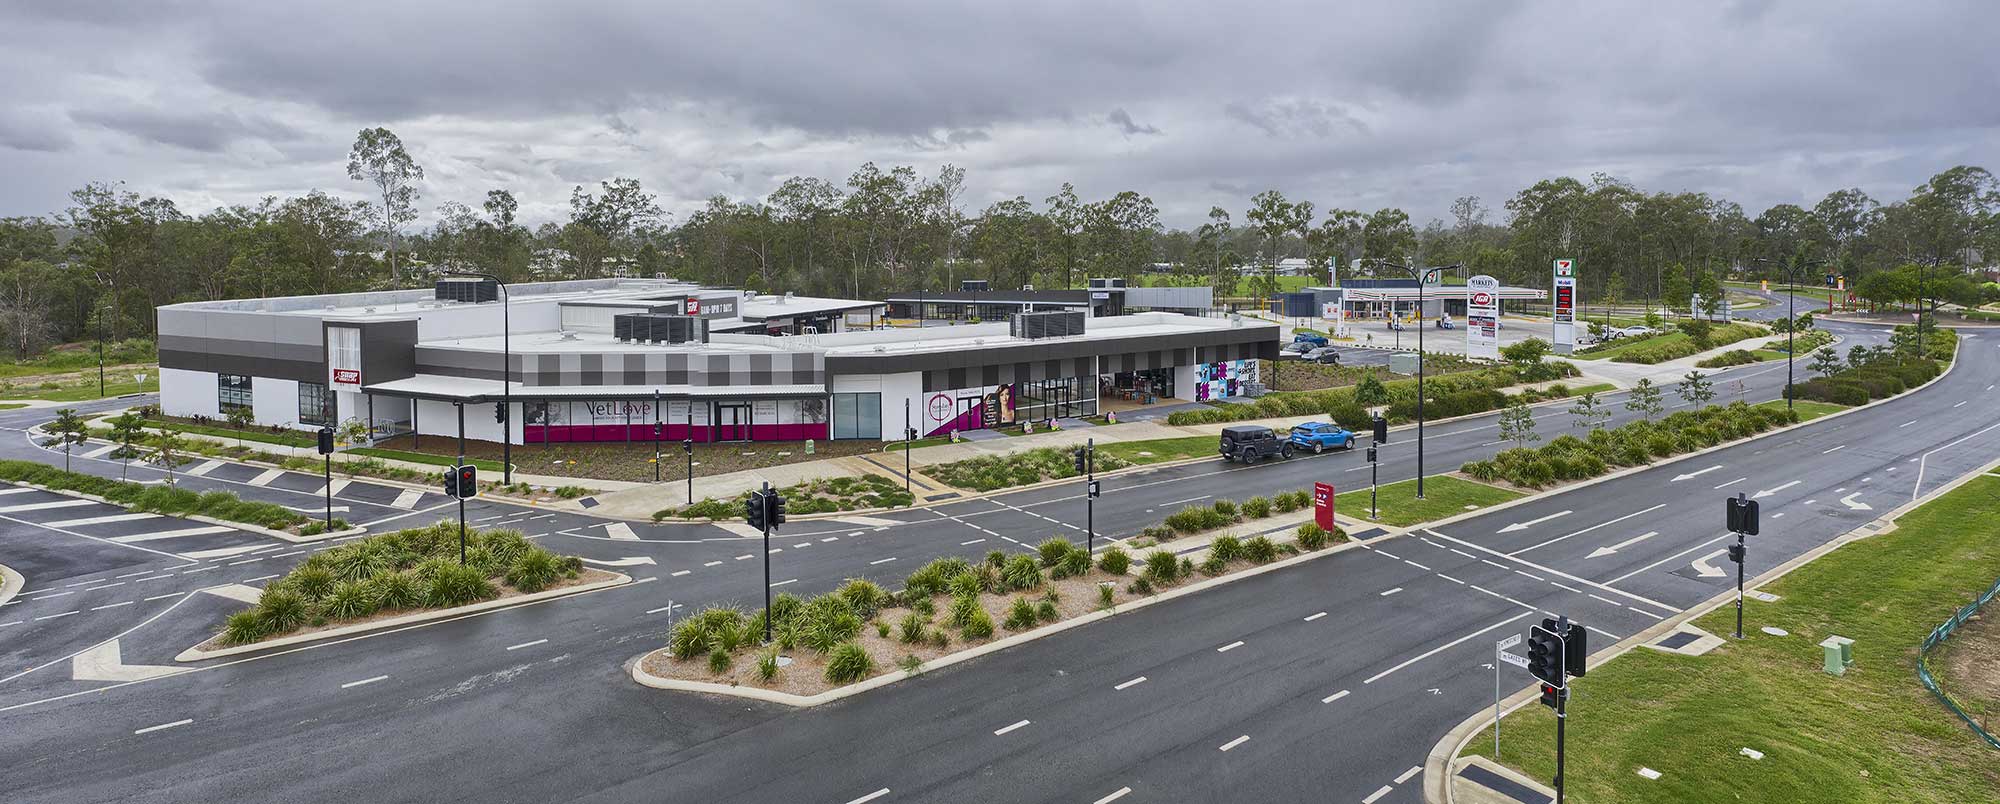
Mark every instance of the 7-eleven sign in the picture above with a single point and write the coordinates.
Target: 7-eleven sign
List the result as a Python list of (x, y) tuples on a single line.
[(1565, 267)]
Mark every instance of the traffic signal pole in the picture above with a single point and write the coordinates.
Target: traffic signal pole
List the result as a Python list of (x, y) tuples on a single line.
[(454, 471), (764, 500), (1090, 496), (1741, 551)]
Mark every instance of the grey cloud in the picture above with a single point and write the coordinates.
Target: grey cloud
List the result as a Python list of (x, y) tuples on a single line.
[(195, 130), (23, 132), (1293, 117), (1123, 120)]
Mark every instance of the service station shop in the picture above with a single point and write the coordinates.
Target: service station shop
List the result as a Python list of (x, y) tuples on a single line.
[(616, 360)]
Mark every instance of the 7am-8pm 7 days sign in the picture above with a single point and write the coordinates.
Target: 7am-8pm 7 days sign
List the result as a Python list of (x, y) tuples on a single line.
[(1564, 306)]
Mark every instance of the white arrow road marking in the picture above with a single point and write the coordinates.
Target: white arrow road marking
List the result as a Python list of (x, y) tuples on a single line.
[(620, 531), (236, 591), (1524, 525), (1856, 506), (1588, 529), (1605, 551), (1771, 491), (1698, 472), (102, 663), (628, 561), (1706, 570)]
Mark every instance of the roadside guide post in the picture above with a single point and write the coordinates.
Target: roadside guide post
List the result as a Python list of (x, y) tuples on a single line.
[(1501, 656)]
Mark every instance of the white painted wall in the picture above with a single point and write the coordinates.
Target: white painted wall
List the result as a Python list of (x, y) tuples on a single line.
[(274, 401), (1184, 378), (441, 419), (894, 388), (188, 393)]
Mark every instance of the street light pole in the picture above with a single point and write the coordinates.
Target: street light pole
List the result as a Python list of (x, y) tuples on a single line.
[(909, 438), (1420, 377), (506, 378), (656, 435)]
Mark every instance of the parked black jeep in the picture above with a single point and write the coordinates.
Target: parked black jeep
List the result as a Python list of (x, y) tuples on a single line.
[(1251, 443)]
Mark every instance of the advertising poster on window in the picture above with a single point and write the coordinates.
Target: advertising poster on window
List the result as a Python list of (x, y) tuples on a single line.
[(1565, 307), (968, 409), (1482, 317), (1223, 380)]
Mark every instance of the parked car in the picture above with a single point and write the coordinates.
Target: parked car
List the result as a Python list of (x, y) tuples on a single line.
[(1250, 443), (1635, 331), (1297, 348), (1324, 354), (1321, 436), (1311, 338)]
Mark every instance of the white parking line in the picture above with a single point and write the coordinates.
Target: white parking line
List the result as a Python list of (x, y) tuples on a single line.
[(526, 644), (1133, 682), (181, 722), (352, 684), (1010, 727), (1389, 592), (1233, 743), (1315, 616)]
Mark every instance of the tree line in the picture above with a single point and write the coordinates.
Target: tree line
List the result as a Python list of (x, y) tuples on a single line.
[(109, 258)]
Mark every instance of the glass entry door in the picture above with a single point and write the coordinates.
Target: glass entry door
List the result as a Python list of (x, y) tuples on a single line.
[(732, 422)]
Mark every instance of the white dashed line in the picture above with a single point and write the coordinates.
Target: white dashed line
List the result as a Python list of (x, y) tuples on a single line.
[(1334, 697), (203, 569), (352, 684), (1568, 588), (1529, 575), (526, 644), (782, 583), (871, 796), (165, 596), (1417, 565), (883, 561), (1010, 727), (1414, 770), (1233, 743), (54, 616), (1115, 795), (1379, 793), (111, 606), (1315, 616), (974, 541), (1449, 578), (1132, 683), (181, 722), (1229, 647), (1843, 446), (678, 574), (1388, 592), (744, 556), (712, 563)]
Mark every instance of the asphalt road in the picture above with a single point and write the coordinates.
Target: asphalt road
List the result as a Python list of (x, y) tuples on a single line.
[(481, 708)]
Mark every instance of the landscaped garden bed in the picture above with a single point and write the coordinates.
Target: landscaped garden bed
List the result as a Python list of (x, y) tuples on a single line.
[(1299, 375), (166, 500), (633, 461), (1450, 395), (1693, 338), (948, 606), (394, 574), (824, 495), (990, 472), (1569, 458)]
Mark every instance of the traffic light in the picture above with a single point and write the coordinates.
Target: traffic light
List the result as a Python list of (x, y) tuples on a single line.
[(451, 481), (326, 441), (1545, 653), (468, 480), (499, 413), (774, 509), (1741, 514), (1736, 552), (687, 445), (1381, 430), (1080, 460), (1551, 695), (1576, 648), (753, 510)]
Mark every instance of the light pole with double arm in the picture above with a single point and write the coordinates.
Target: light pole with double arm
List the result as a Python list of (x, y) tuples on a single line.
[(1790, 277), (1421, 275)]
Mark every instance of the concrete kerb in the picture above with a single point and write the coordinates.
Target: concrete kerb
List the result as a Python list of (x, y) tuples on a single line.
[(243, 526), (639, 674), (196, 654), (11, 584), (1441, 765)]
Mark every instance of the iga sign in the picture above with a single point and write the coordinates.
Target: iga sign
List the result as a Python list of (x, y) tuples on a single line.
[(1323, 506), (1482, 317)]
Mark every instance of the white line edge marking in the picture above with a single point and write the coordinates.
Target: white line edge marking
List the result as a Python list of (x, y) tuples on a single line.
[(526, 644), (871, 796), (1334, 697), (1229, 647), (1115, 795), (1414, 770), (352, 684), (1444, 647), (181, 722), (1136, 681), (1379, 792), (1233, 743), (1560, 573), (1315, 616), (1009, 727)]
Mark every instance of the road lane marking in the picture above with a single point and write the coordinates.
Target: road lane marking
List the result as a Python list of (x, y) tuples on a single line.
[(203, 569), (678, 573), (974, 541), (1115, 795), (1668, 559), (1414, 770), (1449, 578), (54, 616), (164, 597), (1843, 446), (1229, 647), (712, 563), (1536, 521), (526, 644), (1133, 682), (1961, 404), (1379, 793), (883, 561), (1733, 482), (782, 583), (1233, 743), (1009, 727), (1529, 575), (1334, 697), (1770, 491), (111, 606), (352, 684), (181, 722), (1390, 592), (744, 556), (1444, 647), (1904, 424), (1560, 573), (1315, 616), (871, 796), (1589, 529), (1417, 565)]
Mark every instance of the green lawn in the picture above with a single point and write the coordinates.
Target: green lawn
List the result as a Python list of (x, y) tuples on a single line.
[(1808, 409), (86, 391), (1443, 496), (12, 405), (932, 441), (1872, 735), (423, 457), (1163, 449)]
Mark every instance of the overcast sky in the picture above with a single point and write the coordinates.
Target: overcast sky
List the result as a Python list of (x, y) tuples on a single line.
[(1408, 104)]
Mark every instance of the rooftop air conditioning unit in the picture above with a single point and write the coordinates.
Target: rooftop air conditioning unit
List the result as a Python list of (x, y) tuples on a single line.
[(657, 328), (470, 290), (1047, 324)]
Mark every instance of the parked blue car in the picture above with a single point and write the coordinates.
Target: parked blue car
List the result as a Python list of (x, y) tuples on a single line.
[(1322, 436), (1307, 337)]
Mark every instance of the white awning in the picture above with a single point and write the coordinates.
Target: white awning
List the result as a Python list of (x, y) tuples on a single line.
[(470, 389)]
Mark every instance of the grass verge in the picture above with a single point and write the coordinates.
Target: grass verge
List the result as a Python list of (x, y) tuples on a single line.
[(424, 458), (1807, 409), (1161, 449), (80, 391), (1873, 734), (1444, 496)]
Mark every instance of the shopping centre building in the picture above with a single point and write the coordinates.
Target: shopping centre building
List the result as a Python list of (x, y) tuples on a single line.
[(633, 360)]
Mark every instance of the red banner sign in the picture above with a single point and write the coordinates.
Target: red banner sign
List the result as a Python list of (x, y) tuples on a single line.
[(1323, 505), (347, 376)]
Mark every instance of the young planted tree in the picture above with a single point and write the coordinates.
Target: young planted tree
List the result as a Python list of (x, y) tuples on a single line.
[(70, 431), (1517, 424), (127, 430), (168, 447), (1695, 389), (1644, 399), (239, 420), (1825, 362), (1588, 413), (1370, 391)]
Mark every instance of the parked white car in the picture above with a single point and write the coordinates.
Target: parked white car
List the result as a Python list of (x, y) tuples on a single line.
[(1635, 331)]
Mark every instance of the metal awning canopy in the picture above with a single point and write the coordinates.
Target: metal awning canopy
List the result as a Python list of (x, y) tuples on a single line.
[(470, 389)]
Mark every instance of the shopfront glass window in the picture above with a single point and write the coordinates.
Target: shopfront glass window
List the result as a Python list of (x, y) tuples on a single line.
[(232, 392), (316, 405), (857, 416)]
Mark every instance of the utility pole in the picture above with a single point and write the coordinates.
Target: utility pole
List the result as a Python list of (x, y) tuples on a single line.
[(909, 440), (656, 435), (1090, 496), (455, 473)]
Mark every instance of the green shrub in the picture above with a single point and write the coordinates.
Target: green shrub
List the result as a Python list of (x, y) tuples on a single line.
[(1022, 572), (996, 558), (1075, 564), (1214, 565), (455, 585), (1311, 536), (349, 600), (1046, 611), (1228, 548), (1162, 566), (978, 626), (281, 611), (1256, 508), (912, 628), (533, 570), (990, 472), (718, 660), (849, 662), (935, 578), (311, 582), (1225, 507), (1733, 357), (767, 665), (1140, 586), (395, 591), (243, 627), (969, 584), (910, 664), (1195, 519), (864, 598), (1260, 550), (1054, 549), (963, 607), (1020, 615), (940, 639), (1104, 596), (1115, 560)]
